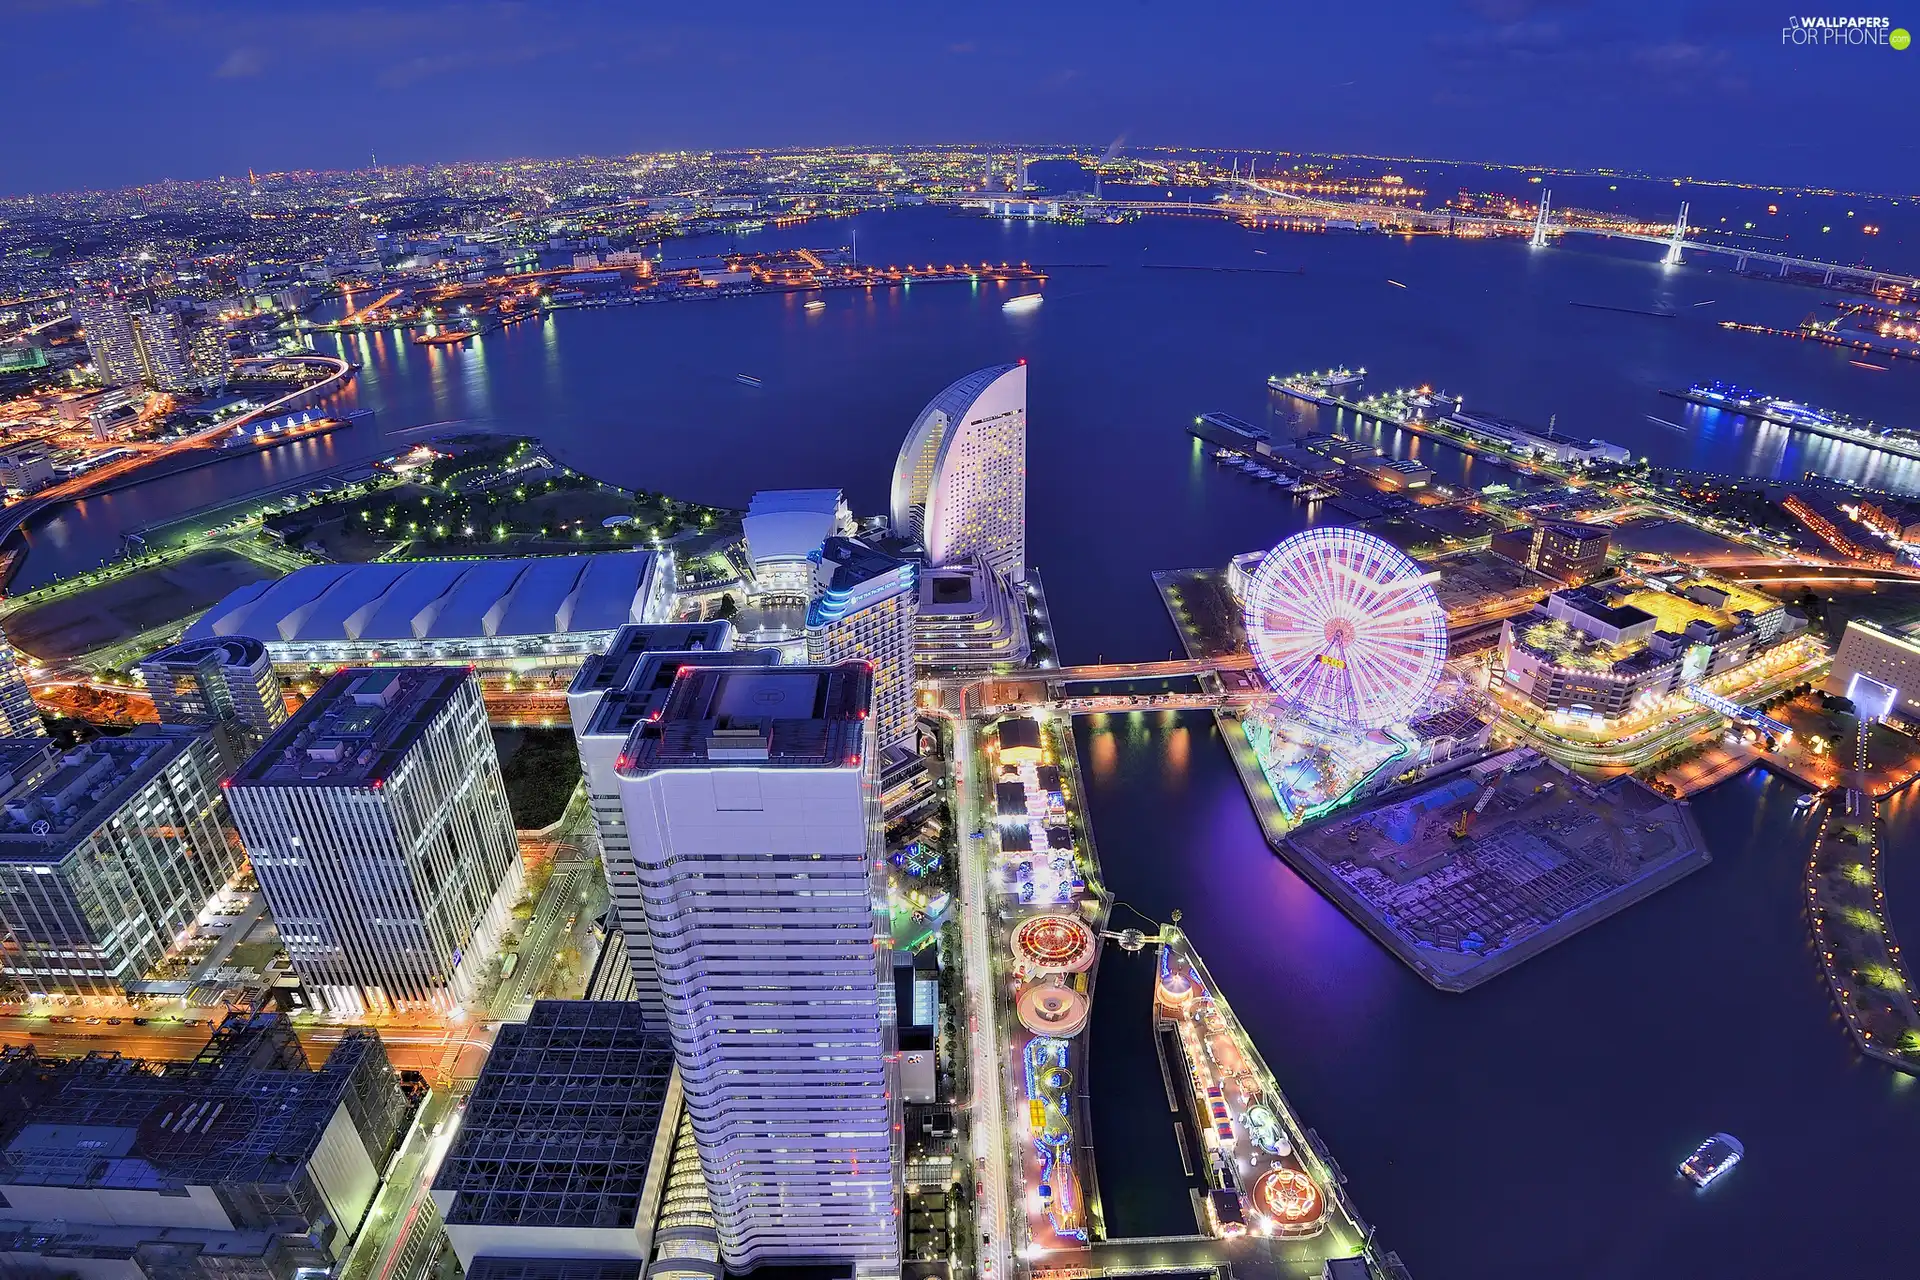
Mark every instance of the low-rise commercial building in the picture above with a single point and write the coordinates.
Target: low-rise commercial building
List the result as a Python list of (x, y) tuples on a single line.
[(519, 617), (108, 853), (785, 529), (1879, 669), (568, 1135), (26, 467), (243, 1164), (1563, 550), (1601, 653)]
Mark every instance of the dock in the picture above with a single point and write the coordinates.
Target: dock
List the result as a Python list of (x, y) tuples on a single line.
[(1861, 435)]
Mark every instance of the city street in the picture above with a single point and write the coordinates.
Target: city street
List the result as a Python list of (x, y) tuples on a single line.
[(408, 1180), (986, 1110)]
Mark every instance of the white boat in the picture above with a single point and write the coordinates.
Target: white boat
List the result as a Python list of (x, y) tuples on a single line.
[(1712, 1158), (816, 305), (1806, 801), (1025, 302)]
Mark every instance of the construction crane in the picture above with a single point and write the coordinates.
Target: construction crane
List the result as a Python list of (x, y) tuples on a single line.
[(1468, 814)]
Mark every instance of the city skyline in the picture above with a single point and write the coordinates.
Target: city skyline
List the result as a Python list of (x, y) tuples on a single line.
[(1711, 89)]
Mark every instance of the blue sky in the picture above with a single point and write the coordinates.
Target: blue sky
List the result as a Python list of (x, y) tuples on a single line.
[(124, 91)]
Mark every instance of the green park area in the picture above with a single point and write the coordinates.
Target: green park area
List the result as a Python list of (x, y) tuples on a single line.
[(541, 768), (493, 497)]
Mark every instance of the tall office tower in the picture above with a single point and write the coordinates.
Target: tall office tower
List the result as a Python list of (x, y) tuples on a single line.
[(611, 694), (864, 606), (19, 717), (755, 823), (115, 347), (565, 1143), (107, 854), (960, 483), (226, 682), (378, 827), (132, 344)]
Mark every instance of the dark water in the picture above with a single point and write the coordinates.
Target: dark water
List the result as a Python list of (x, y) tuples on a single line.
[(1529, 1128), (1121, 357)]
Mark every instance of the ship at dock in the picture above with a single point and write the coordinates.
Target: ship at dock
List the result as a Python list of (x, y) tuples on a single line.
[(1328, 388), (1800, 417)]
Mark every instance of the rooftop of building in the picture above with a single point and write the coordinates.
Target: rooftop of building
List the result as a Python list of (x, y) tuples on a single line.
[(230, 651), (248, 1110), (486, 1268), (632, 644), (423, 600), (355, 730), (855, 565), (561, 1127), (960, 394), (52, 800), (645, 693), (790, 524), (1471, 578), (1576, 530), (1568, 647), (792, 717)]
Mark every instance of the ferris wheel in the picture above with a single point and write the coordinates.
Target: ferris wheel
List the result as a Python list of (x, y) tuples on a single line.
[(1346, 629)]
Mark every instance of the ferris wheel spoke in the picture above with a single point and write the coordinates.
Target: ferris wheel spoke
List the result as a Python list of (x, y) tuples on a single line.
[(1345, 628)]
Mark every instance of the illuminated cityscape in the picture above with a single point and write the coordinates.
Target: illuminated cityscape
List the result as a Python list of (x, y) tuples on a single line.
[(602, 681)]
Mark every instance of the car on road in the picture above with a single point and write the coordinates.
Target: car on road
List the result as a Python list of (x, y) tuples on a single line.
[(113, 1022), (93, 1022), (140, 1022)]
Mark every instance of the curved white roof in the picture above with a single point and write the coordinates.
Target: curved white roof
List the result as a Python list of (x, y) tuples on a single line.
[(790, 524), (439, 600)]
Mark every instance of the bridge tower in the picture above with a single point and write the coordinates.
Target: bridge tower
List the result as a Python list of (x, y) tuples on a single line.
[(1679, 238), (1541, 220)]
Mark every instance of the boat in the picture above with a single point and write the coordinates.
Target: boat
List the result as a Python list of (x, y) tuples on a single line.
[(1806, 802), (815, 305), (442, 339), (1712, 1158), (746, 379), (1025, 302), (1320, 388)]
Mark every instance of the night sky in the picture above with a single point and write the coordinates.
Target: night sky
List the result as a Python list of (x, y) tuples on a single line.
[(121, 91)]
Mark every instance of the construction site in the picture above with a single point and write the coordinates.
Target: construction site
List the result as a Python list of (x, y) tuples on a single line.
[(1469, 875)]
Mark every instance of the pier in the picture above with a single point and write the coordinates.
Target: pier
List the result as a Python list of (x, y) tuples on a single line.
[(1846, 902), (1825, 425)]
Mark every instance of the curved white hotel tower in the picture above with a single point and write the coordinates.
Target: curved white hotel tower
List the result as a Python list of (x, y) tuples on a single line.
[(960, 484), (752, 810)]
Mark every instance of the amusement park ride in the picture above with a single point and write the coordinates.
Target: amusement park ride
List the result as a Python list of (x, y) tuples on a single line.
[(1348, 634)]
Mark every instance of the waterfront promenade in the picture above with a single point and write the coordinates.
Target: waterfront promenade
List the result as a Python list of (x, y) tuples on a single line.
[(1846, 902)]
